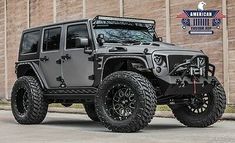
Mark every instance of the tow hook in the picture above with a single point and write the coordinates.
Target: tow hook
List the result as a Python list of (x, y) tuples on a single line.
[(194, 86), (194, 80)]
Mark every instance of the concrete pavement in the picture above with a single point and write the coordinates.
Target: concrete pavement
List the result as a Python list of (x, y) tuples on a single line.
[(61, 128), (163, 114)]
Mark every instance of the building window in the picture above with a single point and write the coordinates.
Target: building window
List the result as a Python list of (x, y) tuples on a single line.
[(51, 39), (30, 42)]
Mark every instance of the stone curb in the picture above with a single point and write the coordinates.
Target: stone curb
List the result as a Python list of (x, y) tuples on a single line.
[(162, 114)]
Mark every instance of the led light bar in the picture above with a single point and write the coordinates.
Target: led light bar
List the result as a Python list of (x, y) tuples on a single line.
[(124, 19)]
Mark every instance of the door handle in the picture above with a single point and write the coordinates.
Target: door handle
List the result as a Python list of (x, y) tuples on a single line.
[(66, 57), (58, 61), (44, 59)]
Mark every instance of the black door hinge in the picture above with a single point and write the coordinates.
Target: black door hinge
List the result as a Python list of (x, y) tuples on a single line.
[(61, 80), (91, 77), (98, 59), (92, 58), (58, 61)]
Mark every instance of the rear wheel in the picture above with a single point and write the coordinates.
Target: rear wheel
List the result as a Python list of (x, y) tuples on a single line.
[(204, 110), (27, 101), (125, 102), (91, 112)]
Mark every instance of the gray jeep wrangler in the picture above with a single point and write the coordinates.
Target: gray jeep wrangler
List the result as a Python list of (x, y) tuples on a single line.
[(119, 69)]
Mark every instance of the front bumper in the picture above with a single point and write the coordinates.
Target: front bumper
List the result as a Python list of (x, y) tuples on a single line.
[(189, 84), (174, 85)]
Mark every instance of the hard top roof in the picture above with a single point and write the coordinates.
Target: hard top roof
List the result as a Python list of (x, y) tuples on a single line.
[(55, 24)]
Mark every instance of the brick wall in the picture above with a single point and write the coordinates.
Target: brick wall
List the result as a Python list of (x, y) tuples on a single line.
[(2, 65), (102, 7), (16, 22), (41, 12), (68, 10), (231, 43), (153, 9)]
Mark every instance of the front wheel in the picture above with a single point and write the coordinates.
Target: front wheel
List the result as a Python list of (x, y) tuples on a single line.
[(125, 102), (204, 110)]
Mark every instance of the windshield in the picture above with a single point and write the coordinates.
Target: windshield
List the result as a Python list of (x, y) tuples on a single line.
[(124, 33)]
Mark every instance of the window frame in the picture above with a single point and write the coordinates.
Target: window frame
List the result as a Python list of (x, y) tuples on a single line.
[(42, 38), (22, 41), (65, 37)]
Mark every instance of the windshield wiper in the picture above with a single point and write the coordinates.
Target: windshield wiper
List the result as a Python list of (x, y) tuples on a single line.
[(131, 41), (112, 41), (123, 42)]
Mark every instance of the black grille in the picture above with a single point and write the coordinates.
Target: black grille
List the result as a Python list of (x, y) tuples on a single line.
[(175, 60)]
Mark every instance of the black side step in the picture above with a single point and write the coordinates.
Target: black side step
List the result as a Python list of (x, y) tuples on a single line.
[(79, 95), (70, 98)]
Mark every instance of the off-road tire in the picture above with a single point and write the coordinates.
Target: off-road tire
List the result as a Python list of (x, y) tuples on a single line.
[(146, 101), (213, 114), (37, 105), (91, 112)]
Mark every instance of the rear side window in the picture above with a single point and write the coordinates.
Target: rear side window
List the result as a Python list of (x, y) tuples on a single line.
[(51, 39), (73, 32), (30, 42)]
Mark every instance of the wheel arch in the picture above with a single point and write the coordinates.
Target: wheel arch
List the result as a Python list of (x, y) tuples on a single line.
[(117, 63), (30, 69)]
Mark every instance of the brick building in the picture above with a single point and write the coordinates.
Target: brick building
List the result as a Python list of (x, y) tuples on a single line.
[(16, 15)]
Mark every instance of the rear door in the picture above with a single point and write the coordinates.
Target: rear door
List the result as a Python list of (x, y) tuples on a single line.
[(77, 68), (50, 53)]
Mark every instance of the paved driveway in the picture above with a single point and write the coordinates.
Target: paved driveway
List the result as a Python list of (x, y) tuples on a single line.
[(66, 128)]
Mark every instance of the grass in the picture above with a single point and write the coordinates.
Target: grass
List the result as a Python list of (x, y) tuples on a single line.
[(229, 108), (163, 108), (4, 102), (78, 106)]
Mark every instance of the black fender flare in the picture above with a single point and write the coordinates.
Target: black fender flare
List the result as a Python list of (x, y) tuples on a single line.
[(35, 68), (123, 57)]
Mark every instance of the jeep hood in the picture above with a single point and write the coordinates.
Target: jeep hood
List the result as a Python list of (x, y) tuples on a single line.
[(160, 47)]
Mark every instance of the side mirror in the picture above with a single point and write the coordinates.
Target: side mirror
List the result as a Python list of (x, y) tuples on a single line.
[(81, 42), (100, 39)]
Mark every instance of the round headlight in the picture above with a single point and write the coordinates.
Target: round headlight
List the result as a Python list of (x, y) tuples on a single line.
[(158, 60)]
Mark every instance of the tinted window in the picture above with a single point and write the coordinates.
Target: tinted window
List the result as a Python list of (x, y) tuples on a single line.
[(30, 42), (73, 32), (51, 40)]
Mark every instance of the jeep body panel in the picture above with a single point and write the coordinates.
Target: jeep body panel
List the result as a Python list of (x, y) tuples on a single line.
[(47, 62), (77, 69)]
